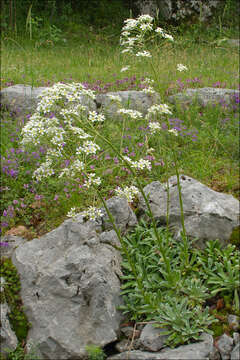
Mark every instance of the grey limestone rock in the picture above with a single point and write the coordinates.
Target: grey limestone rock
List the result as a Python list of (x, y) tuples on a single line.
[(225, 345), (235, 354), (151, 338), (233, 321), (70, 289), (110, 237), (233, 42), (199, 350), (236, 338), (12, 242), (208, 214), (23, 99), (123, 215), (135, 100), (7, 336), (204, 96), (122, 345)]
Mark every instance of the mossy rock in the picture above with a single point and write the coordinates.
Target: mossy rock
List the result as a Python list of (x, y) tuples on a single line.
[(11, 295)]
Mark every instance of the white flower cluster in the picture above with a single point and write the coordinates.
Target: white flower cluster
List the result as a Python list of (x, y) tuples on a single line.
[(134, 32), (173, 131), (55, 123), (76, 167), (140, 164), (76, 110), (149, 90), (125, 68), (148, 81), (92, 213), (45, 170), (92, 180), (154, 127), (115, 98), (143, 54), (181, 67), (133, 114), (95, 117), (163, 34), (72, 213), (129, 192), (89, 147), (158, 109)]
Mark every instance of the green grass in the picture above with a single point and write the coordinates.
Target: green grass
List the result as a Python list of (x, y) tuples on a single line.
[(212, 159), (100, 59)]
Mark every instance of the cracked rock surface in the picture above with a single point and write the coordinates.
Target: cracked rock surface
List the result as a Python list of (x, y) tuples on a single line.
[(70, 286), (208, 215)]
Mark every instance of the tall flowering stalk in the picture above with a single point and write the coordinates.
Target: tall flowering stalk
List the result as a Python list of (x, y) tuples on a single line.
[(135, 35), (69, 133)]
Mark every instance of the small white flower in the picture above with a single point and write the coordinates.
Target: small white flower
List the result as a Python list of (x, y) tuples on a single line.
[(142, 164), (92, 180), (173, 131), (154, 126), (146, 27), (169, 37), (89, 147), (95, 117), (144, 54), (92, 213), (145, 17), (159, 30), (158, 109), (116, 98), (126, 68), (130, 24), (43, 171), (181, 67), (134, 114), (149, 90), (72, 213), (129, 192), (148, 81)]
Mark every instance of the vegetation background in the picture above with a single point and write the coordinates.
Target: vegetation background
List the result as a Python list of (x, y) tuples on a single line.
[(44, 42)]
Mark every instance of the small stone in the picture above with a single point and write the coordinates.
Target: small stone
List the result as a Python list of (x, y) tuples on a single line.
[(214, 355), (236, 338), (122, 345), (127, 331), (225, 345), (152, 338), (199, 350), (233, 321), (235, 354)]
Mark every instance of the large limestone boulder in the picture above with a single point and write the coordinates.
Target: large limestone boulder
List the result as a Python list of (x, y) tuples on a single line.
[(8, 338), (23, 99), (204, 96), (135, 100), (70, 288), (208, 214), (199, 350)]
